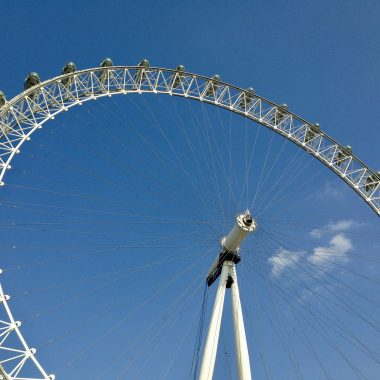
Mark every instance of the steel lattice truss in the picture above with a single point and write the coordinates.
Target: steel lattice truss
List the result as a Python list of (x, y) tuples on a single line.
[(28, 111), (16, 356)]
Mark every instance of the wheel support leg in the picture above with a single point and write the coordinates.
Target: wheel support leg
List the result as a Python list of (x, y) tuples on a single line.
[(211, 346), (241, 347)]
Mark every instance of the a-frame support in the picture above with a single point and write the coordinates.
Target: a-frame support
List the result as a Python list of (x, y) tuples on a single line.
[(228, 279), (224, 266)]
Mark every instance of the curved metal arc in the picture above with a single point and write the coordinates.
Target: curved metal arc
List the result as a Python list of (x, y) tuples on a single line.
[(59, 78), (27, 352), (355, 178)]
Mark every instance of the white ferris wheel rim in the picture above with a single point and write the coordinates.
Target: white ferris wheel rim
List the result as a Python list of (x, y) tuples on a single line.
[(25, 113), (31, 109)]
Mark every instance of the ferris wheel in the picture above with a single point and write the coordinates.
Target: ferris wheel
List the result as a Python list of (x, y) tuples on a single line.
[(42, 101)]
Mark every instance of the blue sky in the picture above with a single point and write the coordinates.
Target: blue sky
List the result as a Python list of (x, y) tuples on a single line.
[(104, 240)]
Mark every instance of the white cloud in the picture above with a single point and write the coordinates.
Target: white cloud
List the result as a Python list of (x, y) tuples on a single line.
[(334, 250), (309, 293), (284, 259), (331, 190), (341, 225), (337, 250), (333, 227), (316, 233)]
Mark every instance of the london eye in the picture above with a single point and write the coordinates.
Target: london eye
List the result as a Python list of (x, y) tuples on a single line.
[(124, 189)]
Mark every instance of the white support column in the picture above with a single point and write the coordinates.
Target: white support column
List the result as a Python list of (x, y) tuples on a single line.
[(211, 346), (224, 266), (241, 347)]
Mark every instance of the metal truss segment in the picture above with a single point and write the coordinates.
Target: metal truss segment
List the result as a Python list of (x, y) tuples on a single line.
[(15, 354), (21, 116)]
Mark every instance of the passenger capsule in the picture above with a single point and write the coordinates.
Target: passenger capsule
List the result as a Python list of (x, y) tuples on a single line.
[(213, 85), (280, 113), (342, 155), (177, 77), (312, 131), (107, 62), (31, 80), (141, 75), (144, 63), (68, 69), (372, 181), (3, 100), (246, 97), (348, 149)]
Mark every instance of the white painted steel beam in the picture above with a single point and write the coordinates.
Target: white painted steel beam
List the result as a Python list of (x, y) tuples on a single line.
[(211, 346), (241, 347)]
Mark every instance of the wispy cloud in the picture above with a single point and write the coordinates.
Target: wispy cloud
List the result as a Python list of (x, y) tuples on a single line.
[(335, 248), (333, 227), (331, 189), (284, 259)]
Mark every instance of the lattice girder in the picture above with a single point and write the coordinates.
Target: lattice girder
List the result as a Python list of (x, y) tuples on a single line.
[(15, 354), (22, 115)]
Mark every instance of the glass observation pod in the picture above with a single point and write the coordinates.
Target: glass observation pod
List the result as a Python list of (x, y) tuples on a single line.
[(106, 63), (246, 97), (312, 131), (372, 181), (178, 76), (280, 114), (213, 85), (141, 74), (31, 80), (3, 99), (342, 155), (68, 69)]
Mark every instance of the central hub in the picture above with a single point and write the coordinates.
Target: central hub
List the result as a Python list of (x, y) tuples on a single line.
[(244, 225)]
